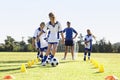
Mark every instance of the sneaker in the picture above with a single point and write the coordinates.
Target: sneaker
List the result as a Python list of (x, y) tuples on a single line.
[(43, 64), (37, 56), (63, 59), (88, 58), (84, 59), (73, 58), (40, 59)]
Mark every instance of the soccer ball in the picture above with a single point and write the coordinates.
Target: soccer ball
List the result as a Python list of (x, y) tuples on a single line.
[(54, 62), (48, 60)]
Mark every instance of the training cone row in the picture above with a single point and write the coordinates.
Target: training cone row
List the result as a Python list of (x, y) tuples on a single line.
[(96, 64), (29, 64)]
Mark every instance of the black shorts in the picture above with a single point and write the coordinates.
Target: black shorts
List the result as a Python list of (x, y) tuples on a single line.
[(69, 43)]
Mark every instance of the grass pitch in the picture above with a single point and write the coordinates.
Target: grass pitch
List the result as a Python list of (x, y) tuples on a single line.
[(10, 63)]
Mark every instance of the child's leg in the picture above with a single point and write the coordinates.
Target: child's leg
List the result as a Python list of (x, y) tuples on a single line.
[(85, 53), (38, 52), (47, 52), (54, 49), (41, 54), (89, 54)]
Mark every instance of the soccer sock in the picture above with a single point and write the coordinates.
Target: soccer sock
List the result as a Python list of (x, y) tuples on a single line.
[(38, 53), (89, 55), (85, 53), (51, 56), (41, 55), (50, 53), (44, 58)]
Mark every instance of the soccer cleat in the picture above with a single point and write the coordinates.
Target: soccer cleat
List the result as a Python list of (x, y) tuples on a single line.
[(84, 59), (43, 64)]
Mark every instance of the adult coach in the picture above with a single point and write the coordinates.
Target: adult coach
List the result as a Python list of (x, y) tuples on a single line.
[(88, 44), (54, 28), (69, 39)]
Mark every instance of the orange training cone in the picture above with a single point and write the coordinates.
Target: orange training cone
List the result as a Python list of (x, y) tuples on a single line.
[(9, 77), (112, 77)]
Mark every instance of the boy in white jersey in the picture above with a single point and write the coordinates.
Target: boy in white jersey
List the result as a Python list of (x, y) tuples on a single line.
[(40, 43), (88, 44), (54, 28)]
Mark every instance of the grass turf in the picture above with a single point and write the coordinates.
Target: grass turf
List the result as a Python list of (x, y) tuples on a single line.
[(10, 63)]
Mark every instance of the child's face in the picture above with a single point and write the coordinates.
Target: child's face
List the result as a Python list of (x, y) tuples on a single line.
[(88, 32), (42, 26)]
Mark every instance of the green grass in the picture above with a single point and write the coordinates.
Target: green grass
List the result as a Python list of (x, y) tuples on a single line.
[(10, 63)]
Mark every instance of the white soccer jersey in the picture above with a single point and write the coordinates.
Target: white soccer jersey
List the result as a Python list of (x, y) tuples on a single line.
[(37, 31), (89, 44), (54, 30), (43, 43)]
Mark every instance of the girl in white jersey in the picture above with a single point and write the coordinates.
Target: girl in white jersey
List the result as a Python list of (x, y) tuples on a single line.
[(54, 28), (88, 44)]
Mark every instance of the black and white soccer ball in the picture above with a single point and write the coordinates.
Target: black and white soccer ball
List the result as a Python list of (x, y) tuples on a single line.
[(54, 62), (48, 60)]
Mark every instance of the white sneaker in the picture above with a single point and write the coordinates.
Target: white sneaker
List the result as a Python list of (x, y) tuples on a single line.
[(73, 58), (43, 64), (40, 59), (63, 59)]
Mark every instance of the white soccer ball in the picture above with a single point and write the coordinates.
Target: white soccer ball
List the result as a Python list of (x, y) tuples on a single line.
[(48, 60), (54, 62)]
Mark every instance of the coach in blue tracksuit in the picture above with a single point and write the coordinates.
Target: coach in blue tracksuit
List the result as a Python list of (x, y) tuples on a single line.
[(69, 39)]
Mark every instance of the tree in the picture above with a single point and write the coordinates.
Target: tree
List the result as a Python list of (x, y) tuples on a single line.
[(95, 47), (29, 45), (108, 47), (118, 50), (2, 47), (80, 45), (9, 43)]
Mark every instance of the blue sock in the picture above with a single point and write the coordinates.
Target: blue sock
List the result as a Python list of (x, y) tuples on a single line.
[(89, 54), (50, 53), (44, 58), (51, 56), (85, 53), (38, 53), (41, 56)]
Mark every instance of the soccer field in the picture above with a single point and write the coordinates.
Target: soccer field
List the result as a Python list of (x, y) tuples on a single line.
[(10, 64)]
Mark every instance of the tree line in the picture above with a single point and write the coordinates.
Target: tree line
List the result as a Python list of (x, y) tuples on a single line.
[(11, 45)]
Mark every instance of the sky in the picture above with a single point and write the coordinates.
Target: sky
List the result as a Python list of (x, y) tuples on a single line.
[(20, 18)]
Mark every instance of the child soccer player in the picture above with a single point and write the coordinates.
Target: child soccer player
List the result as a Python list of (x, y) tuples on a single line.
[(36, 42), (88, 44), (54, 28), (42, 43)]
